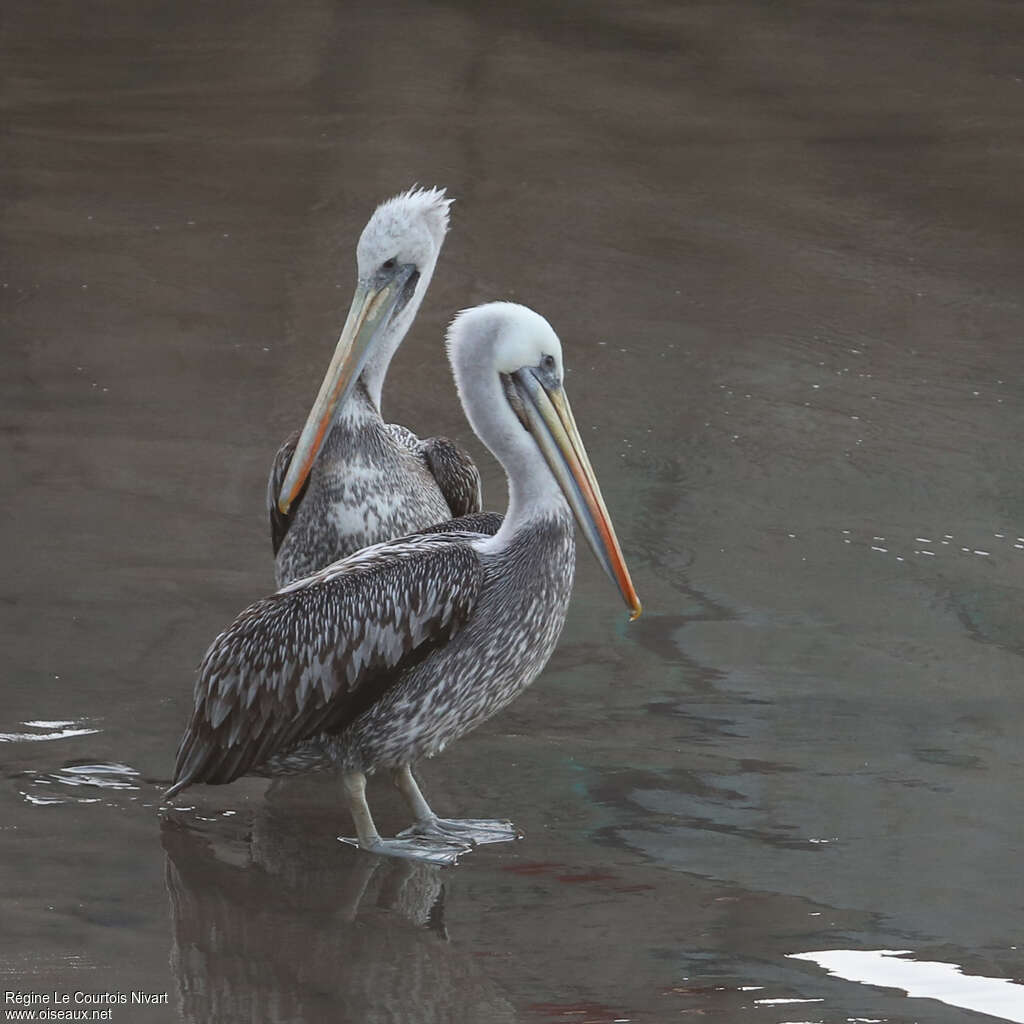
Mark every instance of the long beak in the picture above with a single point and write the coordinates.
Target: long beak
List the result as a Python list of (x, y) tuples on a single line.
[(372, 308), (549, 418)]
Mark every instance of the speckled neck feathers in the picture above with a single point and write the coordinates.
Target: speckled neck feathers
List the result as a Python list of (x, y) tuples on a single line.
[(369, 484)]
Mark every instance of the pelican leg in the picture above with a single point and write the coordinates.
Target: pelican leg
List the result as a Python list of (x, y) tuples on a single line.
[(433, 849), (475, 831)]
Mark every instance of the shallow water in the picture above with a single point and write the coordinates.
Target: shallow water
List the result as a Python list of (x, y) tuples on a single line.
[(781, 244)]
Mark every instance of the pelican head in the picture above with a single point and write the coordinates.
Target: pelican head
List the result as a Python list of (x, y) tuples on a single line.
[(508, 367), (395, 260)]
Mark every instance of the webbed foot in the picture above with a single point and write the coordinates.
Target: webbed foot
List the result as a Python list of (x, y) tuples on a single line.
[(474, 831), (432, 850)]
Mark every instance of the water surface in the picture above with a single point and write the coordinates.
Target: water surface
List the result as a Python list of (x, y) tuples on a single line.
[(781, 243)]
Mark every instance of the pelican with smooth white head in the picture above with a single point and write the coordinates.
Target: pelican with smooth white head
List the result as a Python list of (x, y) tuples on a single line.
[(349, 479), (389, 655)]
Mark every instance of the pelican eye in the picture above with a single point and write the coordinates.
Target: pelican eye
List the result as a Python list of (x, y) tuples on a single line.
[(548, 363), (390, 264)]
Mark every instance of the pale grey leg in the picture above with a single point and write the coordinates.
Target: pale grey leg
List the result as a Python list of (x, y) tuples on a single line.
[(355, 790), (433, 849), (476, 831), (409, 788)]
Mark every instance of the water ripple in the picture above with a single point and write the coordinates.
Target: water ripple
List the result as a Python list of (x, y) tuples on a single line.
[(87, 777), (54, 731)]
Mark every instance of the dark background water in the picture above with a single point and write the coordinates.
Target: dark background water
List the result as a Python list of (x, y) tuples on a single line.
[(782, 245)]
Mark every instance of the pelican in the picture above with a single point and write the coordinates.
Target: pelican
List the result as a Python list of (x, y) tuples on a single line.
[(389, 655), (349, 479)]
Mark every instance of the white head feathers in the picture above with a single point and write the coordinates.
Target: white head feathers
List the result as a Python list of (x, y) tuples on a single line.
[(408, 228), (500, 337), (483, 343)]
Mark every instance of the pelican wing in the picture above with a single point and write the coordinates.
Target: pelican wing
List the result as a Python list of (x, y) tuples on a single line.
[(279, 522), (455, 473), (486, 523), (310, 658)]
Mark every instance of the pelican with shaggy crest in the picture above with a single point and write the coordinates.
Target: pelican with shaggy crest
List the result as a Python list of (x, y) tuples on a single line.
[(349, 479), (389, 655)]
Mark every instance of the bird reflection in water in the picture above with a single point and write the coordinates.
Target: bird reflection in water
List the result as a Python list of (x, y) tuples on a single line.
[(270, 927)]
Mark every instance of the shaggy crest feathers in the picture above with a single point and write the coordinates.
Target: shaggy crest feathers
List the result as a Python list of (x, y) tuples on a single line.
[(432, 204)]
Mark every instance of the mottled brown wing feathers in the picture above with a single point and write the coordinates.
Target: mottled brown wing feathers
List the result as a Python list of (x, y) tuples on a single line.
[(454, 471), (306, 660), (457, 476), (279, 522), (486, 523)]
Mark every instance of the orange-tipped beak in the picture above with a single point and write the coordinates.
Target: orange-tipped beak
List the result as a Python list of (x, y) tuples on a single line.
[(371, 310), (551, 422)]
